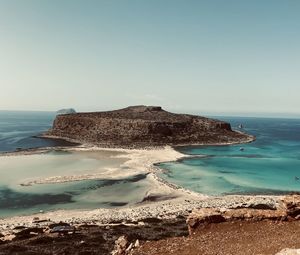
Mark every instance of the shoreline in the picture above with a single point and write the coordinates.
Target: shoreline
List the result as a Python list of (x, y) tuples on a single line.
[(136, 162), (175, 201), (248, 139), (162, 210), (163, 213)]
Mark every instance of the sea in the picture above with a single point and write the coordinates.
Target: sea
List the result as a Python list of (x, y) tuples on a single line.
[(269, 165), (18, 130)]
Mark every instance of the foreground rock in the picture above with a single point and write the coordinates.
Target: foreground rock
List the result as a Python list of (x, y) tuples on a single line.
[(236, 231), (143, 126), (116, 238), (202, 217), (291, 204), (264, 237), (165, 209), (219, 226), (287, 209)]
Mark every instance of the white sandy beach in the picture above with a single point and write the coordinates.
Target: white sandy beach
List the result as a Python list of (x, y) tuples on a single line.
[(135, 161), (174, 201)]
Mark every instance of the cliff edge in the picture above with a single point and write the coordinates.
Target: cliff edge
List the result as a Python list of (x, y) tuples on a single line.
[(143, 126)]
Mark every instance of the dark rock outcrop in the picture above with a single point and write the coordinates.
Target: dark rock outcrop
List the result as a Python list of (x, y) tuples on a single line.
[(287, 210), (143, 126), (291, 204)]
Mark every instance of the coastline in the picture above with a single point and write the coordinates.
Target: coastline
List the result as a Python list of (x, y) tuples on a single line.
[(164, 201), (248, 139), (166, 209), (162, 214)]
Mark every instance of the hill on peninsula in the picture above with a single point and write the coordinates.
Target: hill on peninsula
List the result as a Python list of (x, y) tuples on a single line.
[(143, 126)]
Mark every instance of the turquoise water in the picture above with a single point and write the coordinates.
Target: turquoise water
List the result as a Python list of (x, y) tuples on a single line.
[(17, 130), (267, 166), (105, 192)]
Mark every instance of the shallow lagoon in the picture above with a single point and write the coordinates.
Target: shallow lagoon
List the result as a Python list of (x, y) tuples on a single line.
[(267, 166), (106, 192)]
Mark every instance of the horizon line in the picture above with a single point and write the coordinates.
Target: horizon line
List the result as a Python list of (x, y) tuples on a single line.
[(283, 115)]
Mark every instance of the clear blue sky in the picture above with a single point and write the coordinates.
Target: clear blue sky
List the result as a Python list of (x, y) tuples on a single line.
[(203, 56)]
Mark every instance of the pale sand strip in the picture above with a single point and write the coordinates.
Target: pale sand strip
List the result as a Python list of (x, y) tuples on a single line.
[(180, 203), (168, 209), (138, 161)]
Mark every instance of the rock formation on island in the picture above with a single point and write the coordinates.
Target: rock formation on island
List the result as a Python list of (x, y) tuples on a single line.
[(66, 111), (143, 126)]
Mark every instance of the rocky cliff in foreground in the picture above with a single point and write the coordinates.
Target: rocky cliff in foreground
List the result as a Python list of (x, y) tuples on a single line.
[(143, 126)]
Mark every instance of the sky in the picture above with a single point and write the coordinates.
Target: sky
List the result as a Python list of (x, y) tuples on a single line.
[(218, 57)]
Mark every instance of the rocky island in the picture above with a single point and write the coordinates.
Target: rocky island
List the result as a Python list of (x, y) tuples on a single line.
[(168, 219), (143, 126), (66, 111)]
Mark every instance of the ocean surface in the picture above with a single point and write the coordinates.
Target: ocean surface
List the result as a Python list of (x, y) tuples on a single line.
[(270, 165), (17, 129)]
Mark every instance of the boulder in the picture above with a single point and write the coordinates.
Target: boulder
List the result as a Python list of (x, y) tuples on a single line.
[(53, 225), (254, 214), (137, 243), (9, 237), (28, 232), (292, 205), (120, 246), (63, 229), (204, 216)]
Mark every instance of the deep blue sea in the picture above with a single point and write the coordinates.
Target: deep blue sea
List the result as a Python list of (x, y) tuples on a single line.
[(17, 129), (270, 165)]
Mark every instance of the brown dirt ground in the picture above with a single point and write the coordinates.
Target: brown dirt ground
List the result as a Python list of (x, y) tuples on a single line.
[(93, 239), (229, 238)]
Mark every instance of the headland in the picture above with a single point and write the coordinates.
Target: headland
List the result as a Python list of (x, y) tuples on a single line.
[(143, 127)]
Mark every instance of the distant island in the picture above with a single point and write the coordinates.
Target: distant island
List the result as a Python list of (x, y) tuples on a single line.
[(143, 126), (66, 111)]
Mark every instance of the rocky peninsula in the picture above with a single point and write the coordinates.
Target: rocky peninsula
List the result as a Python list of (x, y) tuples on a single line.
[(143, 126)]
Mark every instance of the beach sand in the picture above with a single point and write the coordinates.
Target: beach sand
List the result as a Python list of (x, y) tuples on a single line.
[(163, 200), (160, 215)]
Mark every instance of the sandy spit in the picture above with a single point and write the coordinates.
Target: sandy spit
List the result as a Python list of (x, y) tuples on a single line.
[(176, 201)]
